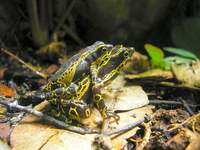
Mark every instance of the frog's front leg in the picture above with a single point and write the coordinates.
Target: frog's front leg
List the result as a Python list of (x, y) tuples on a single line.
[(97, 65), (94, 74), (101, 106)]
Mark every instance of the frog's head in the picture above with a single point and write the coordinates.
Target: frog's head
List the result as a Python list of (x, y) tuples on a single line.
[(121, 55), (100, 49), (123, 52), (116, 63), (107, 54), (102, 54)]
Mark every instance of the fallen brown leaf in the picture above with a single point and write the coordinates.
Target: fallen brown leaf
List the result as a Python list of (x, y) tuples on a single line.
[(154, 73), (32, 134), (185, 139), (7, 91), (188, 73), (5, 130), (2, 72)]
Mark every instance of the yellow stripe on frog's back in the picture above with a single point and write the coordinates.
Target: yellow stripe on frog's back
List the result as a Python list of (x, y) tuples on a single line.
[(83, 86), (68, 75)]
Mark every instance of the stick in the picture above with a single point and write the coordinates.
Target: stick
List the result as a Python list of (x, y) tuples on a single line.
[(24, 63), (47, 118), (126, 128), (170, 103)]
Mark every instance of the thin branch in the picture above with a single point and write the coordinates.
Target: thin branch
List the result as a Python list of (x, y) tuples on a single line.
[(157, 102), (146, 137), (189, 120), (24, 63), (125, 128), (67, 29), (65, 15), (187, 107), (47, 118)]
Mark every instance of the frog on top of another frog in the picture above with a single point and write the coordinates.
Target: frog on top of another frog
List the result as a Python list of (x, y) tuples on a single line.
[(75, 100), (87, 61)]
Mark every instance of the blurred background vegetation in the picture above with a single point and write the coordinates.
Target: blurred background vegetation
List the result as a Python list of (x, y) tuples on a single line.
[(35, 24)]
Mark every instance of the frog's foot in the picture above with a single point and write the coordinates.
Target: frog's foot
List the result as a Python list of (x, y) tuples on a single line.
[(96, 80), (96, 88), (108, 120), (113, 117), (55, 113), (68, 121)]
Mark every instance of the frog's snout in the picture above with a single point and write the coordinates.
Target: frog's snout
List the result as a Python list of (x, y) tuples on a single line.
[(109, 45), (131, 49)]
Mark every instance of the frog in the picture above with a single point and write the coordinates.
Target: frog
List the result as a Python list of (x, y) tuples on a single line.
[(76, 100), (87, 61)]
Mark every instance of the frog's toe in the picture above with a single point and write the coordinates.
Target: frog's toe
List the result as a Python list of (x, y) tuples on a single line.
[(113, 115), (68, 121), (97, 88), (96, 80)]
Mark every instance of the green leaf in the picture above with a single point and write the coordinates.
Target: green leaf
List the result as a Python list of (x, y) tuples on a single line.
[(155, 53), (177, 60), (167, 65), (181, 52)]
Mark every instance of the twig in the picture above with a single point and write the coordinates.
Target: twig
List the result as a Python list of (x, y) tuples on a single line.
[(47, 118), (191, 119), (174, 85), (187, 107), (24, 63), (125, 128), (146, 137), (170, 103), (72, 34), (67, 29), (64, 17)]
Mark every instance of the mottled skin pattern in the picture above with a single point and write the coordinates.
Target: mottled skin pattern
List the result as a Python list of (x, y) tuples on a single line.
[(80, 65), (70, 89), (78, 106)]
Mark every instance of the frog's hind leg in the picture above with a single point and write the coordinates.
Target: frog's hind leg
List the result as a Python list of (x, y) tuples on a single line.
[(62, 92), (75, 110), (55, 110)]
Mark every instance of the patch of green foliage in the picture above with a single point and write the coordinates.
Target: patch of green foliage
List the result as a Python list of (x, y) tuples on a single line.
[(158, 59)]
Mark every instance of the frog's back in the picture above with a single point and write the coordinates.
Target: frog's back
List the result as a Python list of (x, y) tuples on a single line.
[(66, 65)]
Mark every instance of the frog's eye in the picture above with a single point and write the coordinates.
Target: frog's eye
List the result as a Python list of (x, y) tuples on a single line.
[(126, 54), (103, 49)]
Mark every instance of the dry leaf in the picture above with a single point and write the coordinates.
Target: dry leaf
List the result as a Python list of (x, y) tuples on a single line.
[(4, 146), (7, 91), (5, 130), (138, 63), (2, 72), (185, 139), (154, 73), (32, 134), (50, 70), (188, 73), (120, 97)]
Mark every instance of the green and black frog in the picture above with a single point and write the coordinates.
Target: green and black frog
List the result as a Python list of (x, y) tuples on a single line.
[(75, 88)]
